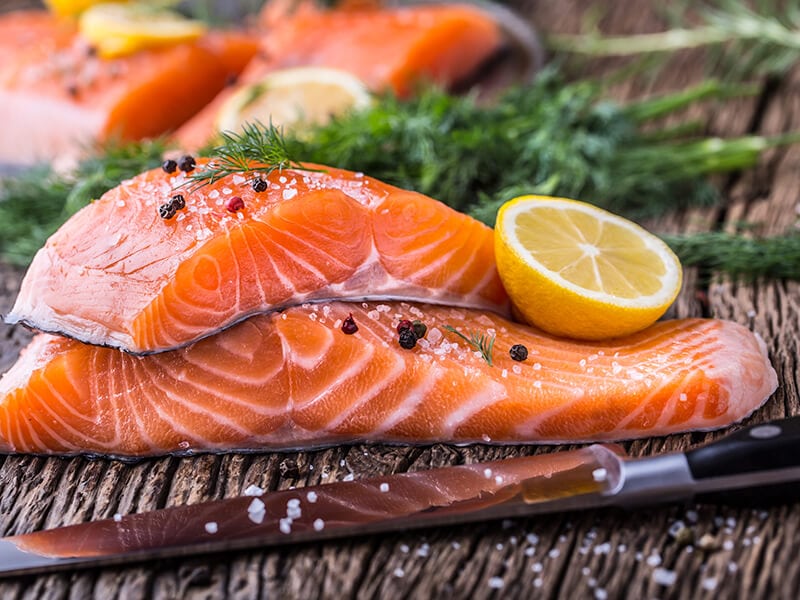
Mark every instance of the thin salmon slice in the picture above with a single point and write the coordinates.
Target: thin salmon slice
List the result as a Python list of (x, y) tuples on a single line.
[(295, 380), (388, 48), (116, 274), (64, 97)]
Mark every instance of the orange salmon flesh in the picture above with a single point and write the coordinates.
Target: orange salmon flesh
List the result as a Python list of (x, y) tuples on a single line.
[(117, 274), (296, 380)]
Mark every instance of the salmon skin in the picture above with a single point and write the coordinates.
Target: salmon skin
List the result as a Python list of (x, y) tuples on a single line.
[(294, 380), (87, 98), (389, 48), (117, 274)]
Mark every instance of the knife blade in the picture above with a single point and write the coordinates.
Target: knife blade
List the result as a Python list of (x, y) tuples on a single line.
[(758, 464)]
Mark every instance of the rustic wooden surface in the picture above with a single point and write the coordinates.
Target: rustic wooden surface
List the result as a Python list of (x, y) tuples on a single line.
[(733, 553)]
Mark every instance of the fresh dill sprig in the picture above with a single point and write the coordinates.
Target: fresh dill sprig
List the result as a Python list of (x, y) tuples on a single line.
[(257, 148), (551, 137), (482, 342), (739, 255), (749, 42)]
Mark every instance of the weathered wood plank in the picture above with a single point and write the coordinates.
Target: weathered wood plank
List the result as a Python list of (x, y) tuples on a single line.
[(729, 553)]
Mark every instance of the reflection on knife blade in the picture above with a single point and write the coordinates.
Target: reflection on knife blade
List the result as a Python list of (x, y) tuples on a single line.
[(482, 491)]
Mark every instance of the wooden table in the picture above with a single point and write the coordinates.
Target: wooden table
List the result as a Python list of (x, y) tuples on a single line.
[(729, 553)]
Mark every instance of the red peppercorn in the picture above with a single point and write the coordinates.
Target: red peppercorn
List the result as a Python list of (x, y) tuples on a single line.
[(234, 203), (404, 324), (349, 326)]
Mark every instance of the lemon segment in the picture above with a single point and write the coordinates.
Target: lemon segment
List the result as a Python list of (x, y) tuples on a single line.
[(119, 29), (71, 8), (294, 98), (578, 271)]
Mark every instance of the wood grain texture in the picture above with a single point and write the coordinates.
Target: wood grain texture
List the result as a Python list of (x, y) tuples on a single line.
[(713, 552)]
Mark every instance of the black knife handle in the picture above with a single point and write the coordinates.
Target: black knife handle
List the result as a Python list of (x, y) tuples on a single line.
[(758, 448)]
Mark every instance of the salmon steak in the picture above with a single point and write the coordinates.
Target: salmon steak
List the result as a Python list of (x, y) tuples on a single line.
[(118, 274), (389, 48), (47, 68), (296, 379)]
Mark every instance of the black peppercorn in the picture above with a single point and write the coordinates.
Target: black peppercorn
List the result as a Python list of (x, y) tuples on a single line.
[(259, 185), (408, 339), (419, 328), (166, 211), (349, 326), (169, 166), (518, 352), (178, 202), (186, 163)]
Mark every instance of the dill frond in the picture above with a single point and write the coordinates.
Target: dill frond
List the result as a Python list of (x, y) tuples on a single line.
[(256, 148), (482, 342)]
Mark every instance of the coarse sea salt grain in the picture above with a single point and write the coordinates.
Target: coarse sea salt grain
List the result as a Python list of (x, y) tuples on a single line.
[(384, 487), (496, 583), (289, 193), (319, 525), (709, 583), (311, 496), (211, 527), (599, 474), (398, 572), (487, 473), (117, 517), (654, 560), (285, 525), (253, 490), (664, 576)]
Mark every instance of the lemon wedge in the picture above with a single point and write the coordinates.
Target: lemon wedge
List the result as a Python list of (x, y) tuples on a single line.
[(117, 29), (579, 271), (70, 8), (293, 98)]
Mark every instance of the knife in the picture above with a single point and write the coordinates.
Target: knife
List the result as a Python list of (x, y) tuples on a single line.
[(756, 465)]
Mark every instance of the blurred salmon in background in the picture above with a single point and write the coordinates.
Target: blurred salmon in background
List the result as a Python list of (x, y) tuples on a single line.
[(64, 86), (58, 94), (389, 48)]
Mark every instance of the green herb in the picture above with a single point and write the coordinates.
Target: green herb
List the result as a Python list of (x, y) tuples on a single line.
[(766, 42), (480, 341), (34, 204), (257, 149), (738, 255), (551, 137)]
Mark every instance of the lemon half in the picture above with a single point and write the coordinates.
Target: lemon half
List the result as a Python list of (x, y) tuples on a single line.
[(579, 271), (292, 98), (119, 29)]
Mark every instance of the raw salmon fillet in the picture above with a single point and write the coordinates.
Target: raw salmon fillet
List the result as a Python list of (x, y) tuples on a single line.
[(296, 380), (117, 274), (63, 96), (388, 48)]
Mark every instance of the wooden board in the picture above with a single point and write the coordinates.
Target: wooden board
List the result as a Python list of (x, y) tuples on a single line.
[(709, 551)]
